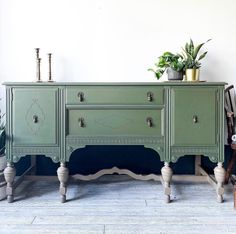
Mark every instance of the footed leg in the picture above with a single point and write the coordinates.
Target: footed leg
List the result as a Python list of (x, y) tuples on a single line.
[(219, 172), (63, 175), (166, 172), (9, 174)]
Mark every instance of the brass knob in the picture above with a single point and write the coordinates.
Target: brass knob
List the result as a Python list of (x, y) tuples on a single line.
[(35, 119), (80, 96), (149, 122), (150, 96), (81, 122), (195, 119)]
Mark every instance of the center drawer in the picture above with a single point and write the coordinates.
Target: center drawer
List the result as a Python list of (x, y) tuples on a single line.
[(114, 95), (115, 122)]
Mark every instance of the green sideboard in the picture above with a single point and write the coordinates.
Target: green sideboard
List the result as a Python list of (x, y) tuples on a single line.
[(173, 118)]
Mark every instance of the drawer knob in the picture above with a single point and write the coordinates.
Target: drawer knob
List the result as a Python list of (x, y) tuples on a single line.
[(149, 122), (81, 122), (150, 96), (35, 119), (80, 96), (195, 119)]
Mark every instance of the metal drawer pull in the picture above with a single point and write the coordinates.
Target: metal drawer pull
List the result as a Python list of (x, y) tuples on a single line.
[(35, 119), (150, 96), (80, 96), (149, 122), (195, 119), (81, 122)]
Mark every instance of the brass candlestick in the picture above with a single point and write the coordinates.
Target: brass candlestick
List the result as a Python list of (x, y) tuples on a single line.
[(38, 61), (38, 70), (50, 67)]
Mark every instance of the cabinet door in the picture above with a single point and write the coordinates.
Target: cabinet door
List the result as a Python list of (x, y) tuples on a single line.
[(35, 116), (193, 116)]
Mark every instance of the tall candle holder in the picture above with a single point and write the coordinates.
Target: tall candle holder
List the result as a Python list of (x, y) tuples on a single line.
[(50, 67), (38, 61)]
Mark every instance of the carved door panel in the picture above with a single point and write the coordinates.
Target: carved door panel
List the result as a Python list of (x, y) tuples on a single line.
[(193, 116), (35, 116)]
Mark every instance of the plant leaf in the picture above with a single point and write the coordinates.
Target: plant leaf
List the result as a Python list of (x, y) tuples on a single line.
[(198, 48), (202, 55)]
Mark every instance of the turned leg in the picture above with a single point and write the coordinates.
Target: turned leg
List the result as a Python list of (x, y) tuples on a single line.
[(63, 175), (9, 174), (166, 172), (219, 172)]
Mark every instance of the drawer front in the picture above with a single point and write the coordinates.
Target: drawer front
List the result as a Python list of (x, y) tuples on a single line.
[(194, 118), (114, 95), (35, 116), (115, 122)]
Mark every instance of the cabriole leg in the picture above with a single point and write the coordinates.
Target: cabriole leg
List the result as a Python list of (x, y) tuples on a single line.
[(9, 174), (166, 172), (63, 175), (219, 172)]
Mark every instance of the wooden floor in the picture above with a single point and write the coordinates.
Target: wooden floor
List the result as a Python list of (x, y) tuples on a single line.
[(115, 205)]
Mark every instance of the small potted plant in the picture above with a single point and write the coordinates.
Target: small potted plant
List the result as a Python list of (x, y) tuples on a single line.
[(171, 63), (192, 60), (2, 157)]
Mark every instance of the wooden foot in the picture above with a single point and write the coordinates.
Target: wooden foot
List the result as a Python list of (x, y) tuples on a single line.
[(219, 172), (9, 174), (167, 173), (63, 175)]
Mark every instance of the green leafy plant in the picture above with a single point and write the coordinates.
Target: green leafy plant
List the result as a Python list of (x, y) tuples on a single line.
[(168, 60), (2, 134), (191, 55)]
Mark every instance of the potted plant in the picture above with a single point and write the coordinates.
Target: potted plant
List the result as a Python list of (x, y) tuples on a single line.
[(2, 157), (172, 63), (192, 60)]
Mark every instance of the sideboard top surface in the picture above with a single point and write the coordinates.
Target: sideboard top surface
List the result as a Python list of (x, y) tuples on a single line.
[(165, 83)]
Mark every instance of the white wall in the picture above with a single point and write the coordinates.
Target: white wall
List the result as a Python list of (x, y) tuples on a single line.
[(113, 40)]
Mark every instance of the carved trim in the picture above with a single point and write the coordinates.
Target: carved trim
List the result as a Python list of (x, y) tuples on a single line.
[(34, 150), (74, 143), (118, 171), (194, 150), (120, 140), (19, 152), (211, 153)]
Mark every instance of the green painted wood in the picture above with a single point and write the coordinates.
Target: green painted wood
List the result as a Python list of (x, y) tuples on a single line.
[(190, 105), (114, 94), (114, 84), (35, 116), (115, 113), (109, 122)]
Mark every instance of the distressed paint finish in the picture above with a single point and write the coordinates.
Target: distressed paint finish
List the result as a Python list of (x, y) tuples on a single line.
[(173, 118)]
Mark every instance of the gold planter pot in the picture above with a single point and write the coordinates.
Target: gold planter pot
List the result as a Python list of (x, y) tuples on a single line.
[(192, 74)]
